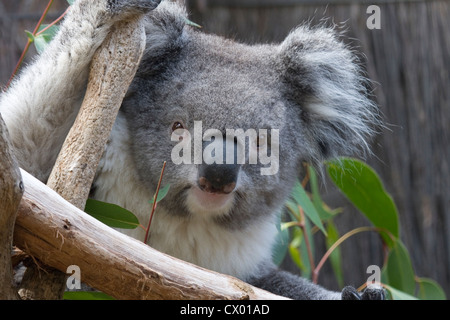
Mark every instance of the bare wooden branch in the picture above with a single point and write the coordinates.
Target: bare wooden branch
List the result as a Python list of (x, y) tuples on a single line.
[(11, 190), (112, 70), (60, 235)]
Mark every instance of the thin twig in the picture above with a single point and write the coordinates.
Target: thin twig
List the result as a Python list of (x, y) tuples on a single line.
[(307, 177), (342, 239), (27, 46), (302, 225), (22, 56), (154, 203), (53, 23)]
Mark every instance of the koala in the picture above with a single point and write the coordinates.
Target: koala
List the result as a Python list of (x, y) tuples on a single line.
[(305, 98)]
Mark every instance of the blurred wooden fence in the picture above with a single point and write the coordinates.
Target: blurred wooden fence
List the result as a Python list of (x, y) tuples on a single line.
[(409, 58)]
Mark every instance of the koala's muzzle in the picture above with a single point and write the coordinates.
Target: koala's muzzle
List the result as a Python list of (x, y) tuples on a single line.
[(219, 178)]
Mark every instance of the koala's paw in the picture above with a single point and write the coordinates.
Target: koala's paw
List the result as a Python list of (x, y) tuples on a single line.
[(372, 292), (132, 6)]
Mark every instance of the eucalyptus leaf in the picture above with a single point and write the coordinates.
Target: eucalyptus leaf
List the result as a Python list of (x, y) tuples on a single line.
[(280, 247), (295, 256), (299, 253), (281, 244), (363, 187), (111, 214), (41, 40), (192, 24), (30, 35), (300, 196), (297, 237), (323, 213), (335, 257), (161, 194), (293, 210), (86, 295), (303, 248), (399, 270), (398, 294), (430, 290)]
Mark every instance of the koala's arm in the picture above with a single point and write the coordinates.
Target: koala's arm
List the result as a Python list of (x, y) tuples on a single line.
[(41, 104), (286, 284)]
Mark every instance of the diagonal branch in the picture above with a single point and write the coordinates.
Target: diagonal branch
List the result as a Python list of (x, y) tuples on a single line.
[(112, 70), (60, 235)]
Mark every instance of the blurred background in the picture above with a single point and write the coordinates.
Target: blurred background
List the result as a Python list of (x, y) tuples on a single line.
[(408, 59)]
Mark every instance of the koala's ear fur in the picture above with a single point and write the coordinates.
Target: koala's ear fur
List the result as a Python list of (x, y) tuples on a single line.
[(323, 80), (164, 33)]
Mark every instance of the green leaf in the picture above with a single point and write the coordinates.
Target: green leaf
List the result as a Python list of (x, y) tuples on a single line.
[(30, 35), (86, 295), (430, 290), (161, 194), (297, 237), (363, 187), (335, 257), (324, 214), (300, 196), (307, 273), (295, 256), (293, 210), (281, 244), (299, 252), (297, 248), (193, 24), (399, 270), (399, 295), (280, 247), (111, 214), (41, 40)]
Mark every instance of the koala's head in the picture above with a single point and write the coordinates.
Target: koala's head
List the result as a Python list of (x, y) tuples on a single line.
[(303, 100)]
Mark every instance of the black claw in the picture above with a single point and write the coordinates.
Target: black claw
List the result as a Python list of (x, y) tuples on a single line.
[(373, 293), (350, 293)]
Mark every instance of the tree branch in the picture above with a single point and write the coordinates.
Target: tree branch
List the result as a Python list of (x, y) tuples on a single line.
[(112, 69), (58, 234)]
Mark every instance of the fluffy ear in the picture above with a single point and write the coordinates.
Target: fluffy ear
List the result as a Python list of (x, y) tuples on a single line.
[(323, 80), (165, 36)]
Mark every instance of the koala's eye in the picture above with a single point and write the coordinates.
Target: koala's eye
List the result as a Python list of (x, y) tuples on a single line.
[(177, 125), (178, 131)]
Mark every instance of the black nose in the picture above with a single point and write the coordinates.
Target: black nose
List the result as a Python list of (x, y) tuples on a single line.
[(219, 178)]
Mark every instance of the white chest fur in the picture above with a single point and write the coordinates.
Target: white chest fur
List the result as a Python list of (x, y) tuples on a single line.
[(199, 240)]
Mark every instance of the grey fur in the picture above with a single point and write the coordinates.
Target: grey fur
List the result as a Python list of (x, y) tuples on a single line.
[(309, 87)]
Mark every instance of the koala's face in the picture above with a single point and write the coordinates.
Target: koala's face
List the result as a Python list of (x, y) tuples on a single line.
[(203, 96), (299, 101)]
